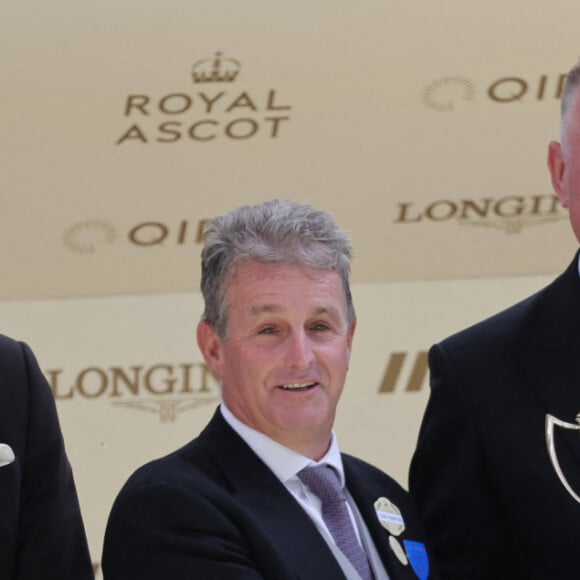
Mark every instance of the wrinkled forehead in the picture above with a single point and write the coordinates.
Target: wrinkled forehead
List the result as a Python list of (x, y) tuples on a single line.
[(258, 276)]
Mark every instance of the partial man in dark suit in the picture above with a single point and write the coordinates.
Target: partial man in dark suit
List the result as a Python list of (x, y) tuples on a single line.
[(41, 531), (496, 472), (241, 502)]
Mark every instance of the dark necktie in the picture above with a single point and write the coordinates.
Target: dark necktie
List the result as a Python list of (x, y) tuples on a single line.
[(323, 481)]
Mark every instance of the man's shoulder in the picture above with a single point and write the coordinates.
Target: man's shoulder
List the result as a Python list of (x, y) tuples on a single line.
[(11, 350), (7, 342), (498, 326), (22, 384), (18, 364), (174, 487), (521, 318), (187, 466)]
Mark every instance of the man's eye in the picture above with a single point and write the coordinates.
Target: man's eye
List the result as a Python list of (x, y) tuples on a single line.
[(321, 326), (267, 330)]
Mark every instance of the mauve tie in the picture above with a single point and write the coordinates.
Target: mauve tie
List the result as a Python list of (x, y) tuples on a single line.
[(323, 481)]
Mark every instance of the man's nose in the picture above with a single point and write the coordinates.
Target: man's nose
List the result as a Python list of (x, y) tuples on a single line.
[(299, 352)]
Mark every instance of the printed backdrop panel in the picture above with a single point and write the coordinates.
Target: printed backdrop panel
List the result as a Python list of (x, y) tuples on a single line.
[(127, 124), (130, 383)]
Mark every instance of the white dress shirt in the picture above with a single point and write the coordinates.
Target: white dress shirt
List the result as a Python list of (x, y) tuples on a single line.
[(285, 465)]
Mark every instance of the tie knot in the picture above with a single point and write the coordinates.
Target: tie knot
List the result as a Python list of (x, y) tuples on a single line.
[(324, 482)]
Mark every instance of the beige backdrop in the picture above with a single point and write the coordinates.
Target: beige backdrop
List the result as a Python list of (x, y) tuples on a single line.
[(421, 126), (407, 120)]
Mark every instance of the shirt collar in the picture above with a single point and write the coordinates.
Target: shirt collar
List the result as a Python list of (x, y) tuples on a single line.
[(285, 463)]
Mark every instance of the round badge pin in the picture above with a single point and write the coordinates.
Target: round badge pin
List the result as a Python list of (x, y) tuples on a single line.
[(398, 550), (390, 516)]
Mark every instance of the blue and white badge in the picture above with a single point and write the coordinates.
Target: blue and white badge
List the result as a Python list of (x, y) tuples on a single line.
[(417, 554)]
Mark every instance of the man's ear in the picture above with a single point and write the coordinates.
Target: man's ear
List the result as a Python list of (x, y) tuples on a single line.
[(557, 167), (210, 346)]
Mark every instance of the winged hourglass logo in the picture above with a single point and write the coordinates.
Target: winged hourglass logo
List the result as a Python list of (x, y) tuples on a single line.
[(551, 421)]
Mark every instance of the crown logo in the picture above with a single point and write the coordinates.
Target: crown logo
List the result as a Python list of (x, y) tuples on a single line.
[(215, 70)]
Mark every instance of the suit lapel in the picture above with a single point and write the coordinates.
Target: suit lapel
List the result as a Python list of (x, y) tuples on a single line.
[(548, 348), (271, 504), (365, 493), (550, 358)]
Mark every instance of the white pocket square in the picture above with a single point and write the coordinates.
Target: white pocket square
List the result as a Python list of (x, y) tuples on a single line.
[(6, 455)]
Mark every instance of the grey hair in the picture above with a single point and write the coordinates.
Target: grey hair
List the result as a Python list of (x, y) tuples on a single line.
[(570, 86), (276, 232)]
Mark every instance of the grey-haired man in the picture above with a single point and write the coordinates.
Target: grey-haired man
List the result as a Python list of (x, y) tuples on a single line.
[(253, 496)]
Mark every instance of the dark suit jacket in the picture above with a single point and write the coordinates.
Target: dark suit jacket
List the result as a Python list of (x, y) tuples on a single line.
[(213, 510), (490, 497), (41, 532)]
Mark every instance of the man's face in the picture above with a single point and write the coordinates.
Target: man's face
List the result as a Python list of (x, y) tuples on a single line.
[(284, 359), (564, 162)]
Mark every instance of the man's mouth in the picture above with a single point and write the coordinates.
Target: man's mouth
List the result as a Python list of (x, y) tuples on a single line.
[(298, 386)]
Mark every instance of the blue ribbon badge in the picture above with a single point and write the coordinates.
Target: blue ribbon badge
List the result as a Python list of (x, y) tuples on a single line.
[(417, 554)]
